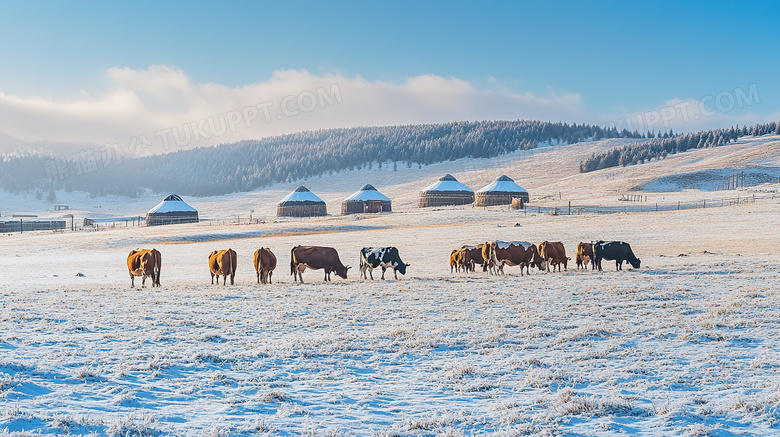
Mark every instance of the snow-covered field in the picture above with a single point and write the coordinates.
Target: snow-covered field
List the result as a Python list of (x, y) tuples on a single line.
[(686, 345)]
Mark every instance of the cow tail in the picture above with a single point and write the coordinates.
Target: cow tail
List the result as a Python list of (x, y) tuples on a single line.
[(234, 261), (292, 260), (157, 265)]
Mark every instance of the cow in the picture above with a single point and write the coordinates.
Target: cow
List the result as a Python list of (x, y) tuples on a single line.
[(554, 253), (144, 263), (385, 257), (223, 263), (614, 250), (516, 253), (487, 254), (472, 256), (456, 260), (315, 258), (265, 263), (585, 256)]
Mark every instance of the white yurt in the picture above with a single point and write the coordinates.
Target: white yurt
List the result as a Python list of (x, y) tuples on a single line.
[(500, 192), (447, 191), (301, 203), (172, 210), (365, 200)]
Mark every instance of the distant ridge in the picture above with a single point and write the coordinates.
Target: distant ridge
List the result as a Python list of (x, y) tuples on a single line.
[(661, 147), (250, 164)]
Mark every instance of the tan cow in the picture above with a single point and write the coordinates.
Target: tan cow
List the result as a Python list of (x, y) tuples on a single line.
[(144, 263), (223, 263), (585, 256), (456, 260), (554, 253), (265, 263)]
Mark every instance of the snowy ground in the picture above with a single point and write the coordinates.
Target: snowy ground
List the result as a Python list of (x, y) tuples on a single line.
[(686, 345)]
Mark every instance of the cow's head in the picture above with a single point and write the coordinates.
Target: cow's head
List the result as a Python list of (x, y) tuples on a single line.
[(343, 271), (635, 264), (537, 259), (401, 267)]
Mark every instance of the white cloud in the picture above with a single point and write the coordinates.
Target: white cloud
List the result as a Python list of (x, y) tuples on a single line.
[(159, 98)]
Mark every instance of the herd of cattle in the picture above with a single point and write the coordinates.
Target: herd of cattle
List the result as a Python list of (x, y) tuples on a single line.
[(492, 256), (547, 255)]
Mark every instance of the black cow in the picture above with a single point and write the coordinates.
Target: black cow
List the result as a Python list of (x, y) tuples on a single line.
[(385, 257), (614, 250)]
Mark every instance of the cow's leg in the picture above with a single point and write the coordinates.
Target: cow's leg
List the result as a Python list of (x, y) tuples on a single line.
[(269, 276), (383, 272), (212, 279), (395, 273), (618, 265), (143, 280), (132, 280)]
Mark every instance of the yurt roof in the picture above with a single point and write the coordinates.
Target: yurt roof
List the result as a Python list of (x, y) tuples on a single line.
[(301, 195), (447, 183), (503, 184), (368, 192), (172, 203)]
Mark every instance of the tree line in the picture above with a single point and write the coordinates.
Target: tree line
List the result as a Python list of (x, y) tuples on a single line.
[(250, 164), (658, 148)]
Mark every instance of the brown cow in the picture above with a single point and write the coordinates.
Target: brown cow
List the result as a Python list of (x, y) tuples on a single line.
[(315, 258), (516, 253), (472, 256), (554, 253), (265, 263), (223, 263), (585, 256), (144, 263)]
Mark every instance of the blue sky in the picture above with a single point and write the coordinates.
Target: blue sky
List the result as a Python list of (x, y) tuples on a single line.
[(614, 58)]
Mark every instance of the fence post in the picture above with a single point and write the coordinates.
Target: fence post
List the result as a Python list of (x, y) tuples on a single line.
[(656, 207), (678, 205), (570, 207)]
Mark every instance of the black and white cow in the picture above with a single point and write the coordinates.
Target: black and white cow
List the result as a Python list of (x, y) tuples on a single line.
[(385, 257), (614, 250)]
